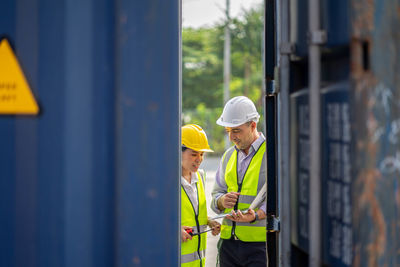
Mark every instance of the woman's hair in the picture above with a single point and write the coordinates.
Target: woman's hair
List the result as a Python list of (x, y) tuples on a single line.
[(184, 148)]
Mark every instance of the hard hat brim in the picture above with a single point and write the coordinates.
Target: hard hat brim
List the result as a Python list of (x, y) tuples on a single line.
[(228, 124), (200, 150), (206, 150)]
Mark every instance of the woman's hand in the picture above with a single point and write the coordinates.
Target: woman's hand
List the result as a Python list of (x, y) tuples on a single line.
[(216, 226), (240, 217), (184, 235)]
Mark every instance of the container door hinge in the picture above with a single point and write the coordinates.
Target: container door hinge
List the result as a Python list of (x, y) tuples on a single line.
[(273, 224), (272, 86)]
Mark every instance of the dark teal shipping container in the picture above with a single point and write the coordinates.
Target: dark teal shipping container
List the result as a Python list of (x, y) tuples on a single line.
[(94, 175)]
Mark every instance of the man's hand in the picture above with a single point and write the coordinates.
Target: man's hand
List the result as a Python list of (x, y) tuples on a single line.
[(216, 226), (184, 235), (228, 200), (240, 217)]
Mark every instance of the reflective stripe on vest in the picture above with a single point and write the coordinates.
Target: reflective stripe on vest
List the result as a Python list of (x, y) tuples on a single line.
[(193, 257), (196, 246), (252, 183)]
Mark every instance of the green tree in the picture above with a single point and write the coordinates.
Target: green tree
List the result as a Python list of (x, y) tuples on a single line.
[(247, 32), (202, 67), (202, 70)]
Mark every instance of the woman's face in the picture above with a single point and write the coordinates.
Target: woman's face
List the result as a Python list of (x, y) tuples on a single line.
[(191, 160)]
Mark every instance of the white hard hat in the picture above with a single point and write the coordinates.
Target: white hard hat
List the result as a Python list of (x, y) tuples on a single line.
[(238, 111)]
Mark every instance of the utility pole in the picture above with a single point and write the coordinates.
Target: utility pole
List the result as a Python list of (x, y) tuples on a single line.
[(227, 61)]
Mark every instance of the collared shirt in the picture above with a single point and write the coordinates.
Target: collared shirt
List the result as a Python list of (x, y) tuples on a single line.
[(220, 187), (191, 190)]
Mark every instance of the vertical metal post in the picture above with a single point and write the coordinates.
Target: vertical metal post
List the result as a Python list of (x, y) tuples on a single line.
[(272, 182), (270, 56), (283, 133), (270, 117), (178, 241), (315, 132), (227, 53), (227, 62)]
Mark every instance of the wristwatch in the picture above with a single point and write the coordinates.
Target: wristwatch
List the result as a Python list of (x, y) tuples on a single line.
[(256, 218)]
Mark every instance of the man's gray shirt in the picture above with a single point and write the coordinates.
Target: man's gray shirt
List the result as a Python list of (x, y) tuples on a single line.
[(220, 187)]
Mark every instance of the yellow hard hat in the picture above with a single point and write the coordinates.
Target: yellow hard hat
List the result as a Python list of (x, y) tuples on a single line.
[(194, 137)]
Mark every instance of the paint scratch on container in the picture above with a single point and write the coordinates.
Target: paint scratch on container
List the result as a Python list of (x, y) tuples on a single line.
[(369, 203)]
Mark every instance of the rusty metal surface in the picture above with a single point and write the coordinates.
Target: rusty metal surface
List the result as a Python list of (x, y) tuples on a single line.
[(375, 95)]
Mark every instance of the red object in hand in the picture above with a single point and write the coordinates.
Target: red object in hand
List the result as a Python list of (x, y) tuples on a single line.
[(189, 231)]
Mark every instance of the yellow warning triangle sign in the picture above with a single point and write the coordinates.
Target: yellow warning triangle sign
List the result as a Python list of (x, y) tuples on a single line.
[(15, 94)]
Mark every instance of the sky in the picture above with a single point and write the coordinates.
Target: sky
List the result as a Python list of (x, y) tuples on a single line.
[(197, 13)]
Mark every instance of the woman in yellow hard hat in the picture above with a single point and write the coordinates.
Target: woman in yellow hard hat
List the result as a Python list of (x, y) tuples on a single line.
[(194, 219)]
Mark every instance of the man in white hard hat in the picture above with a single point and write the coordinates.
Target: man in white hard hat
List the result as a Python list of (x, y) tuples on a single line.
[(240, 176)]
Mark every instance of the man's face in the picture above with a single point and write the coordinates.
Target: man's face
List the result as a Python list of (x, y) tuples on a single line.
[(241, 136)]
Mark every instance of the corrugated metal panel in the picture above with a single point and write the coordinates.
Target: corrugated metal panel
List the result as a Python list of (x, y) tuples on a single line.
[(336, 236), (7, 159), (299, 169), (336, 176), (92, 181), (147, 133), (334, 20), (299, 26), (375, 72)]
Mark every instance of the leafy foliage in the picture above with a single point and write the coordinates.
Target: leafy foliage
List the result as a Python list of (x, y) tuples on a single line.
[(202, 71)]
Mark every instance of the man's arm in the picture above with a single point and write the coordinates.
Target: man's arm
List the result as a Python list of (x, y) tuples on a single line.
[(263, 208), (220, 188), (221, 199)]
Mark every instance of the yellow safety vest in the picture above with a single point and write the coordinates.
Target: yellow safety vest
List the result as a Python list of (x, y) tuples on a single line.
[(193, 251), (252, 182)]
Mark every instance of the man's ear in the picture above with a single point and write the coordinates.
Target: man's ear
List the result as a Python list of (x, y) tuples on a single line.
[(253, 125)]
